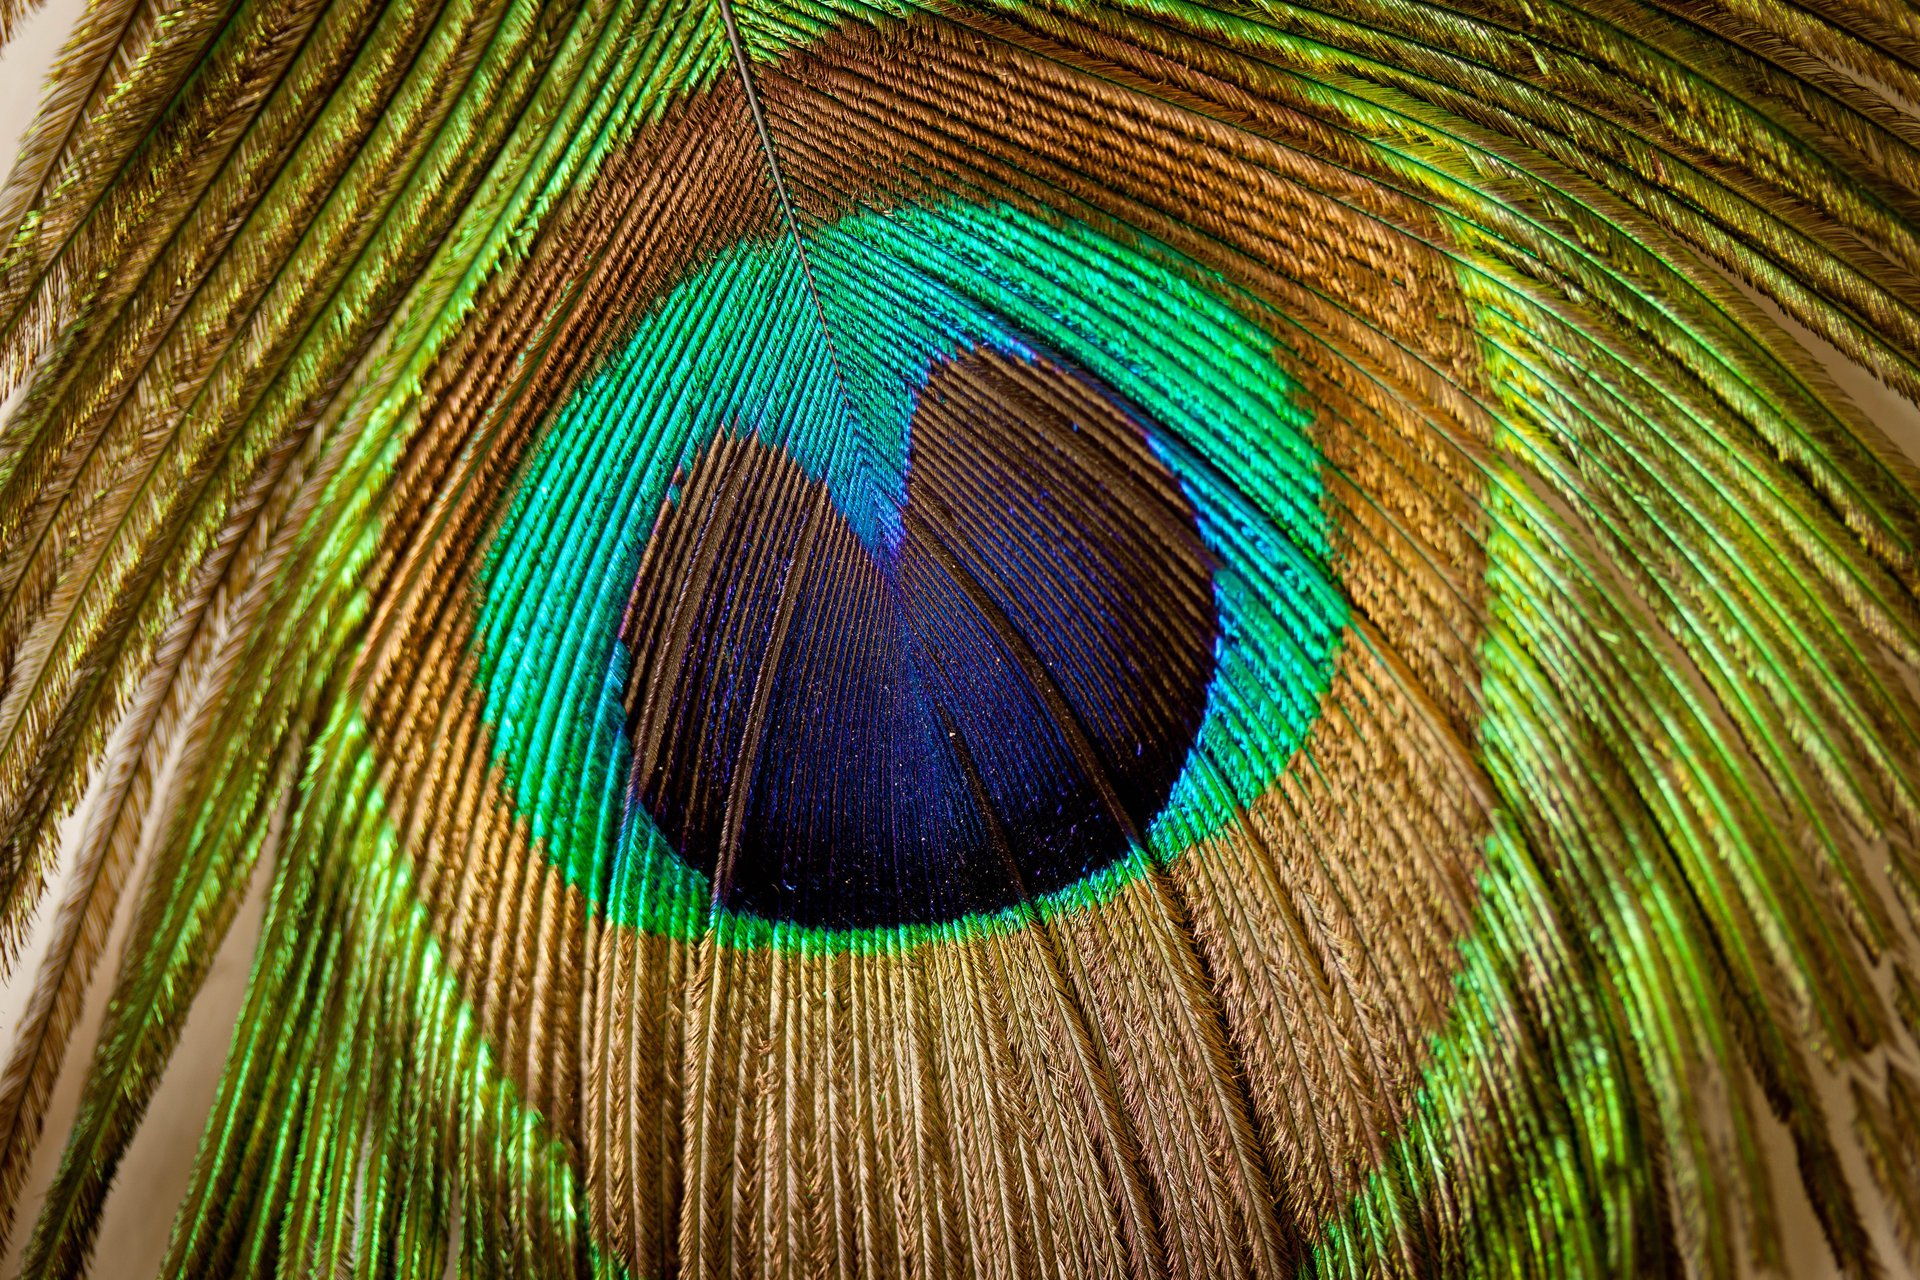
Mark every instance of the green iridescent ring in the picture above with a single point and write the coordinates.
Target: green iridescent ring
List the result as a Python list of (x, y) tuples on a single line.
[(1191, 372)]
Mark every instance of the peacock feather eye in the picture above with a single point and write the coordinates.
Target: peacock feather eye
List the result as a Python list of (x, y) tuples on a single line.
[(946, 642), (1003, 638)]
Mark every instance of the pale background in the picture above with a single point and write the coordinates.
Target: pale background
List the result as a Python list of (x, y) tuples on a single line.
[(140, 1209)]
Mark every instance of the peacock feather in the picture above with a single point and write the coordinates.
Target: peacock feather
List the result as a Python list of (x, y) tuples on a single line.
[(949, 638)]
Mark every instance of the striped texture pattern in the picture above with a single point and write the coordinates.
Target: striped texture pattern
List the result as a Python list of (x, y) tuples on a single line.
[(984, 638)]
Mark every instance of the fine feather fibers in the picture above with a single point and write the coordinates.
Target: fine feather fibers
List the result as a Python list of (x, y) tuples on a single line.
[(439, 366), (141, 1214)]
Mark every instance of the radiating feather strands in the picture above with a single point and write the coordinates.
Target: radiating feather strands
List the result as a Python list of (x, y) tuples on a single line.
[(1000, 638)]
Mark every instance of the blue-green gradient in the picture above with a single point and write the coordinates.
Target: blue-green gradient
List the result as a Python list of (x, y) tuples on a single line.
[(740, 344)]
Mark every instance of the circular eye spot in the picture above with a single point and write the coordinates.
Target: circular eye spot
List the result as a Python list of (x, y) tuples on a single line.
[(989, 707)]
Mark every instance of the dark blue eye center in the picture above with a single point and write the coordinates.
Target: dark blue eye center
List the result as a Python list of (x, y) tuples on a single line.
[(989, 710)]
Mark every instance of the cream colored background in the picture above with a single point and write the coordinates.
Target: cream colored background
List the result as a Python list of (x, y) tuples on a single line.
[(140, 1210)]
